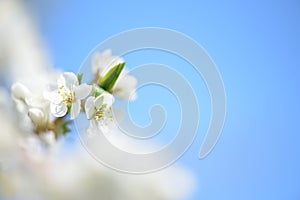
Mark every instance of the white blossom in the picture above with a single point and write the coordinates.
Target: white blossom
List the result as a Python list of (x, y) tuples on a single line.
[(98, 110), (37, 108), (103, 62), (20, 94), (67, 95), (125, 86)]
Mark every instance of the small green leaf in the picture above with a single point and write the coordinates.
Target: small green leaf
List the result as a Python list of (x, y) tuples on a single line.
[(69, 108), (97, 90), (61, 127), (79, 77), (65, 127), (110, 78)]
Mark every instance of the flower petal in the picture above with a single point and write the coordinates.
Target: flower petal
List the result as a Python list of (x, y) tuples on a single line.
[(109, 63), (125, 87), (20, 91), (53, 97), (38, 102), (104, 98), (67, 79), (75, 109), (98, 101), (103, 62), (21, 106), (36, 115), (98, 62), (89, 108), (58, 110), (82, 91)]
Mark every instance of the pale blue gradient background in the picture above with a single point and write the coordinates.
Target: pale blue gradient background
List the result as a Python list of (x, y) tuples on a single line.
[(256, 47)]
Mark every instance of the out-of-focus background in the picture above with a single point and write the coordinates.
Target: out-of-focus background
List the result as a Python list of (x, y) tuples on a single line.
[(256, 47)]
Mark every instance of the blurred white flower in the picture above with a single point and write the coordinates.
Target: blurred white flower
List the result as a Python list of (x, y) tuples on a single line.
[(20, 95), (37, 108), (23, 56), (98, 110), (32, 171), (103, 62), (125, 85), (36, 115), (67, 95), (48, 137)]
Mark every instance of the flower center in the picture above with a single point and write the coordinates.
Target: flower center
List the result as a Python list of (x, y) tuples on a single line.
[(103, 114), (66, 94)]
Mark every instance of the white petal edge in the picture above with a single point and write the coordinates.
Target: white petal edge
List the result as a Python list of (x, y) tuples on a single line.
[(53, 97), (104, 98), (36, 115), (82, 91), (96, 62), (75, 109), (89, 108), (67, 79), (58, 110), (126, 87), (19, 91)]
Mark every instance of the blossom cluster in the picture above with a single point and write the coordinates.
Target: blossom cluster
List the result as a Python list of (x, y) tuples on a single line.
[(62, 102)]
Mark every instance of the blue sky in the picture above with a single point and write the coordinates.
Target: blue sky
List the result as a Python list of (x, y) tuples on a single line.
[(256, 46)]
